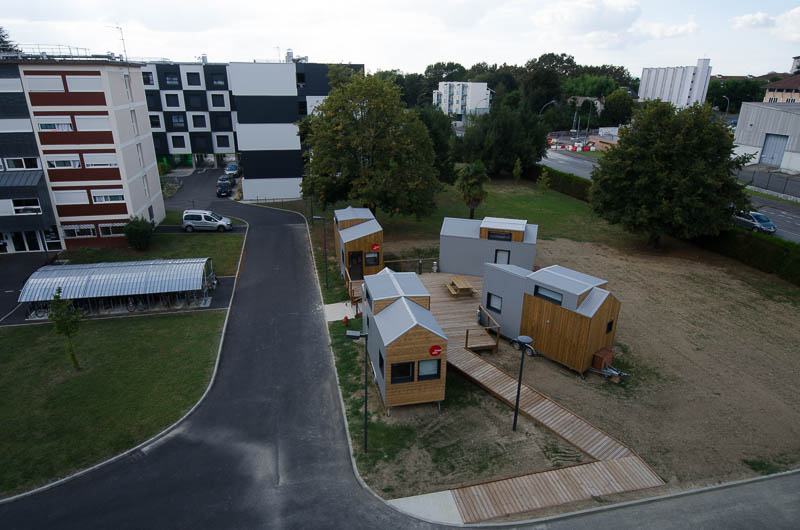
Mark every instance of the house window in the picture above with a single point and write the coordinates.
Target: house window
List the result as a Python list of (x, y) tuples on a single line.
[(198, 120), (63, 197), (380, 364), (79, 231), (146, 189), (172, 100), (155, 121), (193, 78), (112, 229), (372, 259), (429, 369), (547, 294), (152, 100), (63, 161), (217, 100), (502, 257), (140, 154), (178, 142), (218, 80), (55, 123), (302, 108), (178, 121), (223, 140), (171, 79), (499, 236), (494, 302), (609, 327), (127, 80), (134, 123), (147, 78), (402, 372), (150, 212), (301, 79), (100, 160), (22, 163), (107, 196), (26, 206)]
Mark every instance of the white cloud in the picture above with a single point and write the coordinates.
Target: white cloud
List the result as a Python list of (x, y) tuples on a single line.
[(657, 30), (753, 20), (785, 26)]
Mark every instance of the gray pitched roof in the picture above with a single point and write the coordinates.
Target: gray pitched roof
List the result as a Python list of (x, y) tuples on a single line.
[(791, 108), (350, 213), (402, 315), (454, 226), (592, 302), (500, 223), (565, 280), (511, 269), (360, 230), (390, 284), (457, 227)]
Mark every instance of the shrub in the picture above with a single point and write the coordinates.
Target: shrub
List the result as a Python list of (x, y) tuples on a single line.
[(569, 184), (139, 232), (163, 169)]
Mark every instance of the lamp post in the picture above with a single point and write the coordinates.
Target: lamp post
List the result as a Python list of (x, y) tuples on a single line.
[(324, 246), (545, 105), (355, 335), (523, 341), (726, 108)]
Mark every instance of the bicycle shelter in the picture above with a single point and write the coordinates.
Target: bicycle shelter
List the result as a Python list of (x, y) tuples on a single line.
[(127, 286)]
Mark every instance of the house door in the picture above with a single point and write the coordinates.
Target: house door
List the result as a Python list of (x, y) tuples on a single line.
[(355, 265), (502, 257), (774, 147)]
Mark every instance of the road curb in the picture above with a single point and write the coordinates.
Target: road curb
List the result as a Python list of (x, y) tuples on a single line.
[(169, 429)]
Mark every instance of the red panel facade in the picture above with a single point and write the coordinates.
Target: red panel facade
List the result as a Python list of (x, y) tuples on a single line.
[(76, 210), (97, 242), (76, 137), (70, 175), (65, 99)]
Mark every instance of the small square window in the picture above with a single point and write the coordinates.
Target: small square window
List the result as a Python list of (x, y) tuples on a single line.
[(217, 100), (402, 372), (193, 78), (503, 257), (429, 369), (178, 142), (218, 80), (194, 101), (198, 120), (610, 327), (499, 236), (223, 140), (548, 294), (302, 108), (494, 302), (147, 78), (178, 121), (372, 259), (172, 100), (171, 79), (155, 121)]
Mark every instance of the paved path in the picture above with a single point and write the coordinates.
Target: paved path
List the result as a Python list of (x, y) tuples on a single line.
[(785, 216), (579, 165)]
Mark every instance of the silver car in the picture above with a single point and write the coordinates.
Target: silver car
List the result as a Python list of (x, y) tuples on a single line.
[(755, 221), (205, 220)]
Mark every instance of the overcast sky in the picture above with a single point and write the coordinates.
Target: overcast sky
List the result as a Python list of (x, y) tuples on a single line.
[(740, 38)]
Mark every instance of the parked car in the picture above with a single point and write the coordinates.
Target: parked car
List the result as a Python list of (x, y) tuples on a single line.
[(223, 189), (205, 220), (225, 179), (232, 170), (754, 221)]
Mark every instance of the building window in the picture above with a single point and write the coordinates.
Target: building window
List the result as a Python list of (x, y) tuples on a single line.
[(127, 79), (21, 163), (199, 120), (499, 236), (372, 259), (217, 100), (63, 162), (193, 78), (302, 108), (63, 197), (140, 155), (178, 121), (172, 100), (218, 80), (547, 294), (150, 212), (146, 188), (178, 142), (223, 140), (502, 257), (429, 369), (301, 79), (147, 78), (609, 327), (100, 160), (112, 229), (195, 102), (494, 302), (79, 231), (155, 121), (99, 196), (55, 123), (26, 206), (380, 364), (134, 123), (402, 372), (171, 79)]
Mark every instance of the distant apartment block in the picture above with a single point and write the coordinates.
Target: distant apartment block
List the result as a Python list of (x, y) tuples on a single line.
[(458, 99), (76, 152), (247, 108), (783, 91), (682, 86)]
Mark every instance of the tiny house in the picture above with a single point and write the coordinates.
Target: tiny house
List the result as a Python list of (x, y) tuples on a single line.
[(358, 238), (466, 244), (406, 346), (569, 315)]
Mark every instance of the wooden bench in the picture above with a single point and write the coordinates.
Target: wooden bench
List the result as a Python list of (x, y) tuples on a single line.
[(459, 286)]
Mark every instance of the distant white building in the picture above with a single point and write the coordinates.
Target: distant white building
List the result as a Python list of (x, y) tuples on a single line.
[(459, 98), (682, 86)]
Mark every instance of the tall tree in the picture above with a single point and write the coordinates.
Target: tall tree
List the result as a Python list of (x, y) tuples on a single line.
[(471, 179), (441, 132), (364, 145), (562, 64), (6, 44), (736, 90), (67, 319), (618, 108), (588, 85), (671, 173), (540, 86)]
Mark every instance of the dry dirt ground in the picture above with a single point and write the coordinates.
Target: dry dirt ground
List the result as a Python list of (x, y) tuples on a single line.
[(713, 349)]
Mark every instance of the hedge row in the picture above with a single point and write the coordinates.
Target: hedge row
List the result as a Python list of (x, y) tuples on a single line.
[(569, 184), (765, 253)]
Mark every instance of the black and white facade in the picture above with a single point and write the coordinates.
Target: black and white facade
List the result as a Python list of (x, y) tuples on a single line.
[(252, 109)]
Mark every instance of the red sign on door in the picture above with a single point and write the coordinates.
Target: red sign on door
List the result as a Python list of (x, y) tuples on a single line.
[(376, 246), (435, 350)]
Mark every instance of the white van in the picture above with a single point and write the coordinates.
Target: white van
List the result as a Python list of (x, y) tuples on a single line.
[(205, 220)]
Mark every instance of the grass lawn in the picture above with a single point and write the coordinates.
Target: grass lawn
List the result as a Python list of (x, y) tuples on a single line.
[(770, 197), (140, 374), (596, 154), (224, 249), (173, 217)]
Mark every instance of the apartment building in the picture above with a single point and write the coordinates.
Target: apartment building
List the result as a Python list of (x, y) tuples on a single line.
[(458, 99), (77, 152), (783, 91), (252, 109), (683, 86)]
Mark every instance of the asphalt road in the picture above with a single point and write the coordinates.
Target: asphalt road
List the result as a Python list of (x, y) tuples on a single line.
[(570, 163), (785, 216)]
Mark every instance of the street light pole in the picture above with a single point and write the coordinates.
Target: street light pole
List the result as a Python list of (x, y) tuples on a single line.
[(727, 107), (355, 335), (545, 105), (523, 341), (324, 246)]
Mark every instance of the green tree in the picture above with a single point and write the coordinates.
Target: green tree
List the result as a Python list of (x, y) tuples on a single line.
[(618, 108), (594, 86), (440, 129), (540, 86), (139, 232), (736, 90), (470, 182), (363, 145), (6, 44), (671, 173), (67, 320)]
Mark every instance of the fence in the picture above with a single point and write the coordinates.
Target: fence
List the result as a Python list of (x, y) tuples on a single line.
[(418, 265), (303, 206), (772, 181)]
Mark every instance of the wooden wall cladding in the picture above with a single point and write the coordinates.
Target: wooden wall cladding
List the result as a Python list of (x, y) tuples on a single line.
[(515, 234), (414, 346)]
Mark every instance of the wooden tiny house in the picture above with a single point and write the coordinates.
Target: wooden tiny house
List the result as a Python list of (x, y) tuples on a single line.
[(406, 346), (466, 244), (359, 243), (569, 315)]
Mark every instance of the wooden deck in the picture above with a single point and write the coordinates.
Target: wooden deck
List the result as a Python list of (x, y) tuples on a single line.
[(615, 467)]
